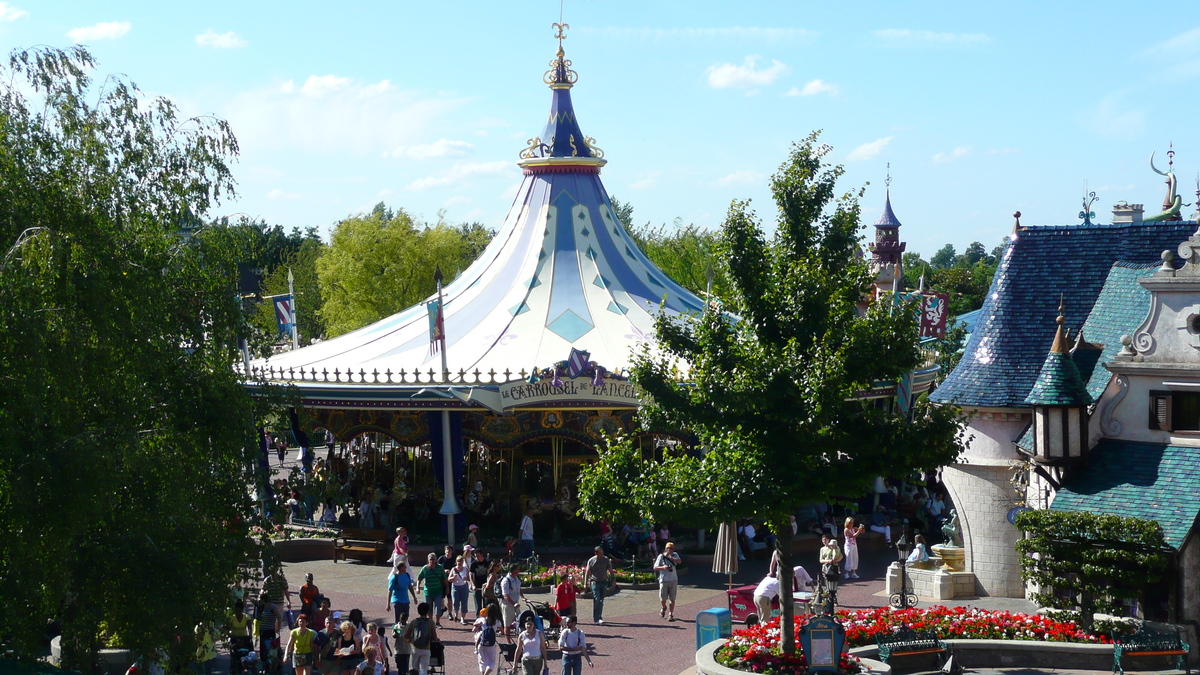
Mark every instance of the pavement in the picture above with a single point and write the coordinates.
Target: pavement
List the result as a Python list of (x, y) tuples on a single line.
[(634, 639)]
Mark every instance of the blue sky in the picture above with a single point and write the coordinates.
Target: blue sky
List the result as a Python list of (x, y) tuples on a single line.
[(981, 109)]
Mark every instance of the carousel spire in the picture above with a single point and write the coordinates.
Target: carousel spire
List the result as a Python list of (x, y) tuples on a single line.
[(562, 142)]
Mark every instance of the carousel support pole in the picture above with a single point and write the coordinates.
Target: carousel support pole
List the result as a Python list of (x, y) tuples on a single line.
[(449, 502)]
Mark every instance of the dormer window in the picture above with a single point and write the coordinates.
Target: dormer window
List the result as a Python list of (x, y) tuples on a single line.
[(1175, 410)]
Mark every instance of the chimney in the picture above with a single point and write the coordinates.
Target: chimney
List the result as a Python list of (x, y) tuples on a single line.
[(1127, 213)]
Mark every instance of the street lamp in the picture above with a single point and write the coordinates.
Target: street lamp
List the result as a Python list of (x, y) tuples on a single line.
[(831, 586), (903, 599)]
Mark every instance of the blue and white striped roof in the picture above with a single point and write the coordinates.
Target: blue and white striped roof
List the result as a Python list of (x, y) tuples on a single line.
[(561, 273)]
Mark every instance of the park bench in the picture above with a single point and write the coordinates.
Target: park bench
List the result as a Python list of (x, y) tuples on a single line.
[(1148, 642), (360, 542), (908, 642)]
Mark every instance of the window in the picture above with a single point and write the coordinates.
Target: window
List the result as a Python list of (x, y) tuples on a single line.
[(1175, 410)]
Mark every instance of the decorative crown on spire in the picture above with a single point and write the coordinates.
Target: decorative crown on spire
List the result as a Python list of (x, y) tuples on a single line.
[(560, 75)]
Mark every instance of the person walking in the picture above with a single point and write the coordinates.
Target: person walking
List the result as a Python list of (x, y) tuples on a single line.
[(668, 579), (531, 649), (301, 647), (596, 573), (421, 633), (432, 581), (479, 579), (349, 649), (525, 536), (472, 539), (308, 597), (400, 589), (270, 623), (510, 596), (459, 590), (850, 569), (487, 647), (327, 640), (564, 596), (573, 644), (491, 587)]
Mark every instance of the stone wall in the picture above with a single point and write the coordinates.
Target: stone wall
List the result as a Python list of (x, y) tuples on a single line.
[(983, 495), (933, 584)]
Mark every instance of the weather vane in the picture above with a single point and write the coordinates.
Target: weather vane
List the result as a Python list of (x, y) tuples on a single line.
[(887, 182), (1087, 213), (560, 32)]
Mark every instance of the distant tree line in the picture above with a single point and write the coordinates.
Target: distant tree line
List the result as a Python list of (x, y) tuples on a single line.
[(965, 276)]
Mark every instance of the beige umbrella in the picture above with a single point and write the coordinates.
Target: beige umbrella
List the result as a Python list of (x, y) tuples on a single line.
[(725, 557)]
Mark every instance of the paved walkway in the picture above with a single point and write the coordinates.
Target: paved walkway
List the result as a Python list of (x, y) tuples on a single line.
[(634, 640)]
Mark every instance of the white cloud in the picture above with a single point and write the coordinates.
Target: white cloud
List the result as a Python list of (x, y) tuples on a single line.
[(738, 178), (105, 30), (461, 172), (439, 149), (947, 157), (1111, 120), (898, 37), (868, 150), (328, 113), (211, 38), (814, 87), (10, 13), (281, 195), (745, 76), (748, 33), (646, 180), (1185, 44)]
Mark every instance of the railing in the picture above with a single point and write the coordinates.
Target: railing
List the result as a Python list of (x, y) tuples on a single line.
[(388, 377)]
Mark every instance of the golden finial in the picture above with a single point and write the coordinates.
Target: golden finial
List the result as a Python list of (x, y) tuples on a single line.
[(560, 75)]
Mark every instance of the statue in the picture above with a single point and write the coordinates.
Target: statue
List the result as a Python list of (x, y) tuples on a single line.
[(951, 530), (1172, 202)]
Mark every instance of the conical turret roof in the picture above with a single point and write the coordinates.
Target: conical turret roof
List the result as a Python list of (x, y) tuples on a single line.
[(1059, 382), (888, 218), (561, 273)]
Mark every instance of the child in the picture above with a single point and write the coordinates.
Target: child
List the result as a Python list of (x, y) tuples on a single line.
[(403, 648)]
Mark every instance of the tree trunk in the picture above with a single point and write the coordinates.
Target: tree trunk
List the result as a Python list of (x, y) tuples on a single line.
[(787, 622)]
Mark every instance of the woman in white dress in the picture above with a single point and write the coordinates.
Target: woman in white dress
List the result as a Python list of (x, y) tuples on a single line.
[(850, 567)]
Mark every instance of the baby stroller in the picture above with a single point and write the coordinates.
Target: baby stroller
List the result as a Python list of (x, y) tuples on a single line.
[(506, 664), (437, 658), (546, 619)]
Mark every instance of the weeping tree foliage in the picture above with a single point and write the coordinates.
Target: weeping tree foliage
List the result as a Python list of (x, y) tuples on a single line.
[(771, 394), (1090, 562), (125, 436)]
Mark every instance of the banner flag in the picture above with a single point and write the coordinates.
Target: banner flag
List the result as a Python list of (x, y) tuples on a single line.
[(285, 314), (437, 326)]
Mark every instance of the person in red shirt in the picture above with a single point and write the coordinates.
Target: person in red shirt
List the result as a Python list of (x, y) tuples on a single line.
[(308, 597), (564, 596)]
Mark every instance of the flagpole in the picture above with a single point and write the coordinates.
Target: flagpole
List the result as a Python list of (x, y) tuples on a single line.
[(450, 500), (437, 276), (295, 313)]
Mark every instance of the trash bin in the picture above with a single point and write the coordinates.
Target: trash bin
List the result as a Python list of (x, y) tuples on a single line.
[(712, 624)]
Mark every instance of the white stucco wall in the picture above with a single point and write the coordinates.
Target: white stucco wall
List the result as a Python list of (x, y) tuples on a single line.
[(983, 495)]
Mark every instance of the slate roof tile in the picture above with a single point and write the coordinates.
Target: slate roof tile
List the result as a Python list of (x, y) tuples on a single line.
[(1006, 350), (1140, 480)]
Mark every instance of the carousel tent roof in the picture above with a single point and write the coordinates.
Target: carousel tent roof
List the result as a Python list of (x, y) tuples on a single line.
[(561, 273)]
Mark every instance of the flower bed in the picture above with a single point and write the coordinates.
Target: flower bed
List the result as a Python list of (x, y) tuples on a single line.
[(549, 576), (757, 649)]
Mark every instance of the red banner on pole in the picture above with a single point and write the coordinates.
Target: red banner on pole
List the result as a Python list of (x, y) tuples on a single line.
[(934, 310)]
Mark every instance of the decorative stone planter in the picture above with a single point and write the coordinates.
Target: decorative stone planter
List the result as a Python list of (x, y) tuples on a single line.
[(706, 662), (304, 549), (1018, 654)]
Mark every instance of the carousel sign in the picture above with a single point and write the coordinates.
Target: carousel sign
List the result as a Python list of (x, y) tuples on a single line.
[(569, 391)]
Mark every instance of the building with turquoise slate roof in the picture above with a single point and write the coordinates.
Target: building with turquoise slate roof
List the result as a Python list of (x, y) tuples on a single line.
[(1123, 369)]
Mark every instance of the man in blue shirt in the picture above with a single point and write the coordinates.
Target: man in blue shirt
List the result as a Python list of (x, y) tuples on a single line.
[(400, 589)]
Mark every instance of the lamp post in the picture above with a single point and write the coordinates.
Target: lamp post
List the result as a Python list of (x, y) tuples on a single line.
[(903, 599), (831, 586)]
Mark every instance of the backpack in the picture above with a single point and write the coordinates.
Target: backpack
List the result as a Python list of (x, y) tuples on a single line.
[(420, 633), (498, 589), (487, 637)]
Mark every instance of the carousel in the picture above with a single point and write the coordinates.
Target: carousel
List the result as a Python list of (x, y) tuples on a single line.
[(485, 400)]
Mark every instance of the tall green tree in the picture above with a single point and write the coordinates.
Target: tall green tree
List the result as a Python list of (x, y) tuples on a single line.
[(303, 266), (382, 262), (125, 435), (945, 257), (771, 395)]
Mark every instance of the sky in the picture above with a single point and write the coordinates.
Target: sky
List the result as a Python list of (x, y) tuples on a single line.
[(981, 109)]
